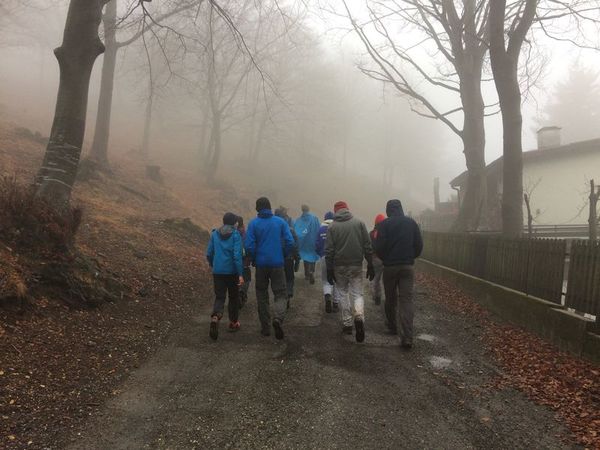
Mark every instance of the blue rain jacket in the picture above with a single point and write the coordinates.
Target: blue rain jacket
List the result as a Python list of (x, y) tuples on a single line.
[(268, 240), (224, 251), (307, 228)]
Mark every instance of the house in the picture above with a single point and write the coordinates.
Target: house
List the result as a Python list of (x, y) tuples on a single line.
[(555, 177)]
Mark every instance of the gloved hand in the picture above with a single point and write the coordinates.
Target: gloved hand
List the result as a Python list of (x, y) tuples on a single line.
[(296, 264), (331, 276), (370, 272)]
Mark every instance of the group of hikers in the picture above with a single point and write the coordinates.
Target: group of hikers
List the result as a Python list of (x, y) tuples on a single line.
[(274, 245)]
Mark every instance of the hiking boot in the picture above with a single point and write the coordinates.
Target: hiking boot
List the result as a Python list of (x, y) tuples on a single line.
[(278, 329), (328, 303), (214, 328), (377, 300), (347, 329), (392, 329), (234, 325), (406, 343), (336, 307), (360, 330)]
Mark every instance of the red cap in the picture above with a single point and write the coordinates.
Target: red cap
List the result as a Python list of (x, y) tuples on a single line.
[(340, 205), (380, 218)]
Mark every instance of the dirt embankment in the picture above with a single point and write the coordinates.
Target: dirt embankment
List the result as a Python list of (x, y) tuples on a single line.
[(59, 361)]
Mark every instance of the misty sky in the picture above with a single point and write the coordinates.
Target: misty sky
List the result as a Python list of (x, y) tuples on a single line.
[(418, 148)]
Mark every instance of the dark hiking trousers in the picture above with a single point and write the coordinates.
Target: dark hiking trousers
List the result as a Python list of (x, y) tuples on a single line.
[(398, 283), (226, 284), (309, 269), (276, 276), (247, 279), (289, 276)]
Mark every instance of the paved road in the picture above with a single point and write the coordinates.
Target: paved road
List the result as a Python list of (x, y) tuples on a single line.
[(320, 389)]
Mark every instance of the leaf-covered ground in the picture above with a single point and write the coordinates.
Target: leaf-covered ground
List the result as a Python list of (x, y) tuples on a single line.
[(568, 385)]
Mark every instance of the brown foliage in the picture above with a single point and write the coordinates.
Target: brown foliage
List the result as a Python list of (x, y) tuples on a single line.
[(566, 384), (26, 221)]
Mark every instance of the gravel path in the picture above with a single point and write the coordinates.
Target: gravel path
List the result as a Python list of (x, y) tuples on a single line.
[(320, 389)]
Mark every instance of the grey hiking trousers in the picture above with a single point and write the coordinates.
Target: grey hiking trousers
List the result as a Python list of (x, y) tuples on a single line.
[(276, 276), (398, 282)]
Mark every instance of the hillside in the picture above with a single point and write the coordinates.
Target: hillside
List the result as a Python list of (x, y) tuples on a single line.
[(59, 358)]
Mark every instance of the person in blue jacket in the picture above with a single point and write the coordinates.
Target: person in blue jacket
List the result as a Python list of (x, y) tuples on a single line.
[(331, 304), (291, 259), (307, 228), (224, 256), (268, 242)]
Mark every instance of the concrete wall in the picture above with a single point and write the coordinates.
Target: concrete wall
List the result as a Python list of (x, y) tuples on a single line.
[(568, 331)]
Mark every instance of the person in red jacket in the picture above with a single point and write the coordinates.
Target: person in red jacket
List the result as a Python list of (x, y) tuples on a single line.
[(376, 284)]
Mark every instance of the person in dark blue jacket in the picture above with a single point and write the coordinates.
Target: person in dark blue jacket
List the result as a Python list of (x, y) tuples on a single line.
[(268, 242), (398, 243), (224, 256)]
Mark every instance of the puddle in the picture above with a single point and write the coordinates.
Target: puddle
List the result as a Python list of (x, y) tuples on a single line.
[(426, 337), (439, 362)]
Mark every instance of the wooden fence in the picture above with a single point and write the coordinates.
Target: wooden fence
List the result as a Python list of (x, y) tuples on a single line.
[(583, 289), (533, 266)]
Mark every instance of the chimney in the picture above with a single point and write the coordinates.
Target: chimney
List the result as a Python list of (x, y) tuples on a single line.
[(548, 137)]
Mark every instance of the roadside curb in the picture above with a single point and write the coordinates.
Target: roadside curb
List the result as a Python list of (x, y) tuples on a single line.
[(568, 331)]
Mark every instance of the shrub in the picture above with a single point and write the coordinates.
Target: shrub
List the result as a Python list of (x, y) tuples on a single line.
[(27, 221)]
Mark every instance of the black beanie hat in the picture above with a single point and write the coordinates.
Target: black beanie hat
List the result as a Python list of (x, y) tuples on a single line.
[(230, 219), (263, 203)]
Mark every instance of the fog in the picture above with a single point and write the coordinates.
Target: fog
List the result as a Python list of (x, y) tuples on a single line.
[(299, 121)]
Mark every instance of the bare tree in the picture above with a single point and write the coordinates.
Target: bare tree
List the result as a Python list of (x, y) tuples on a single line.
[(76, 56), (456, 34), (234, 67), (141, 25), (510, 24), (527, 196), (504, 58)]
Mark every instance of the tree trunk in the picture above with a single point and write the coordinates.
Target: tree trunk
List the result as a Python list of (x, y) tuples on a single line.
[(512, 162), (215, 157), (145, 151), (203, 150), (474, 204), (504, 59), (257, 144), (76, 56), (99, 150)]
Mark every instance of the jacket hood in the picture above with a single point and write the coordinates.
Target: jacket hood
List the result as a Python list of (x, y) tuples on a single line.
[(265, 213), (226, 231), (394, 208), (343, 215)]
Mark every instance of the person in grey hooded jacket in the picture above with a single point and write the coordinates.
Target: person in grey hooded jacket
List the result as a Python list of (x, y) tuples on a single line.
[(348, 243)]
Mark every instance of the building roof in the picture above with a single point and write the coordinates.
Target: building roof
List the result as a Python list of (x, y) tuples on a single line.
[(576, 148)]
